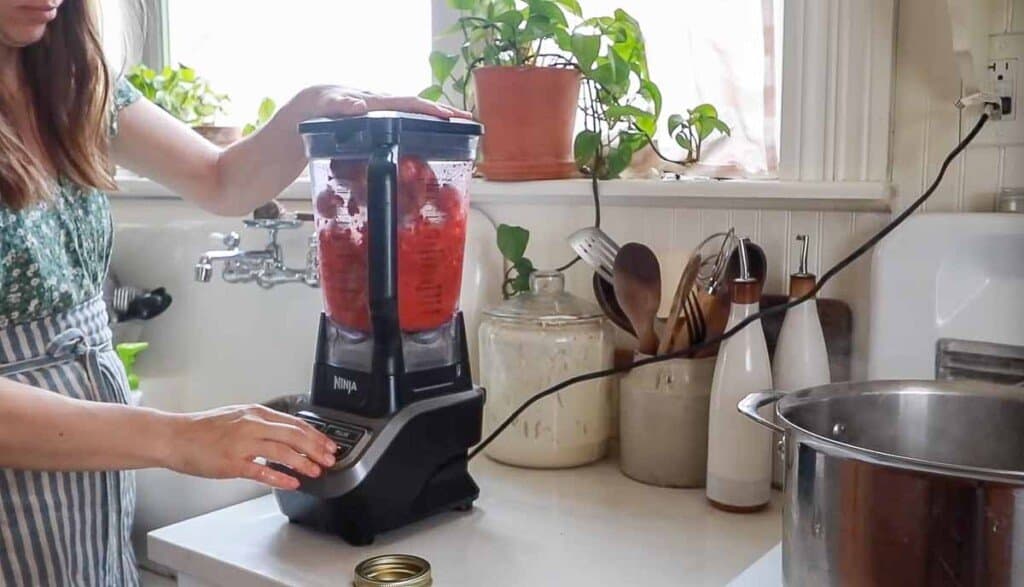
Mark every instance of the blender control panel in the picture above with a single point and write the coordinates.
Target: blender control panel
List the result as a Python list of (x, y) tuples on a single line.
[(350, 438)]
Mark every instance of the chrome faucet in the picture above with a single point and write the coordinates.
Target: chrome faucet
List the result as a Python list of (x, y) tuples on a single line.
[(264, 267)]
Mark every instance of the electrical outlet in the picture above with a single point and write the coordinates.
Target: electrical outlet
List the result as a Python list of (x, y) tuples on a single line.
[(1002, 75)]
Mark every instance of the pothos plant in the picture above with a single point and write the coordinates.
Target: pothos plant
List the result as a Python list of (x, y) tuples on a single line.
[(620, 103), (512, 242), (692, 130), (181, 92)]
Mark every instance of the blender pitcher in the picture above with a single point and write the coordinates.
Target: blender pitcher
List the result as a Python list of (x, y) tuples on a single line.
[(391, 207)]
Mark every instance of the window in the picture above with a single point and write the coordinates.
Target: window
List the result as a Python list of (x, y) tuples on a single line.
[(833, 115), (251, 50), (723, 52)]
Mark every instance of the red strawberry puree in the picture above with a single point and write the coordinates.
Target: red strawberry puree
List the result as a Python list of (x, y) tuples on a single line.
[(431, 241)]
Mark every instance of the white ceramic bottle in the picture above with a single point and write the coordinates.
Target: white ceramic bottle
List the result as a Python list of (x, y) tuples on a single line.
[(739, 459), (801, 359)]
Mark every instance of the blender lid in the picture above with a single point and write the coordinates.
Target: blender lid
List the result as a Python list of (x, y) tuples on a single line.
[(391, 122), (547, 301)]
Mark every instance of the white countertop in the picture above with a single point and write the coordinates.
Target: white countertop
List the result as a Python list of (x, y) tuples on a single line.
[(585, 526)]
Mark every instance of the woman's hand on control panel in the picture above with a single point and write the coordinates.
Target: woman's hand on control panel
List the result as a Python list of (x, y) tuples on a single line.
[(233, 442)]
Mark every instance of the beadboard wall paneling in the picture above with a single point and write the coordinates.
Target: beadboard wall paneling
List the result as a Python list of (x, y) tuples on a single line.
[(926, 125), (673, 233)]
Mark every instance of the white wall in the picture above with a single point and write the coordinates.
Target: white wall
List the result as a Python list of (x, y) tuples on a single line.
[(927, 125)]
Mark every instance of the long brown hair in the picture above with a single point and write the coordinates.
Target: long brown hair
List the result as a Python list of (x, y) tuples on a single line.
[(69, 87)]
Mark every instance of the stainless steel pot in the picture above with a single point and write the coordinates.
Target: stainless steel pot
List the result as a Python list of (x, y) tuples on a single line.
[(901, 483)]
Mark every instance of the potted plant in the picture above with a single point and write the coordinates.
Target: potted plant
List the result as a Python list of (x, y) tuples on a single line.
[(187, 97), (522, 66), (692, 130)]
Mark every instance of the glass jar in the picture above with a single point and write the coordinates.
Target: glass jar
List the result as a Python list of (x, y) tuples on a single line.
[(529, 343)]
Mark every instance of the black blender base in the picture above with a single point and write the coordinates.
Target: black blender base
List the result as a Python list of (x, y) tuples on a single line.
[(349, 517), (414, 467)]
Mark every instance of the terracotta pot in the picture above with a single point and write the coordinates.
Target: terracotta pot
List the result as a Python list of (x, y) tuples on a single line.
[(222, 136), (529, 114)]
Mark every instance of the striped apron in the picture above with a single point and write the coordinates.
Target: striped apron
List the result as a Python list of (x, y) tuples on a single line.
[(66, 528)]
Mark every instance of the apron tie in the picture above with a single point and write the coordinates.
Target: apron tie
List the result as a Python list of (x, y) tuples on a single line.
[(69, 345), (70, 342)]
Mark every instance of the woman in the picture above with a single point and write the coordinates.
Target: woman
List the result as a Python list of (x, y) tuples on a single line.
[(66, 436)]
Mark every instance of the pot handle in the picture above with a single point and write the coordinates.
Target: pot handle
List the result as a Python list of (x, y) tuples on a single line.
[(748, 407)]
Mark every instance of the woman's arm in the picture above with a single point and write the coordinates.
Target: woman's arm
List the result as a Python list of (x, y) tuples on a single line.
[(41, 430), (236, 180)]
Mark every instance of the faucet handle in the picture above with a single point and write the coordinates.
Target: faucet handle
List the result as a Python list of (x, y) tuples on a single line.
[(231, 240)]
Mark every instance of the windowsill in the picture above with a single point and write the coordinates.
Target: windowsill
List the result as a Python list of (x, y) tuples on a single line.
[(733, 194)]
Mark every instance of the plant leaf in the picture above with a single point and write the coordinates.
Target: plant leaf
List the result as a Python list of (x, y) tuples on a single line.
[(524, 266), (703, 127), (510, 19), (512, 241), (618, 160), (266, 111), (674, 122), (585, 48), (585, 148), (537, 27), (684, 142), (650, 91), (462, 4), (621, 69), (572, 6), (433, 93), (706, 111), (549, 10), (721, 127), (441, 65), (521, 282), (634, 140)]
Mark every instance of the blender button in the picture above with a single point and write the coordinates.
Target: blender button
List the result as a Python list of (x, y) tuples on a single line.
[(322, 427), (345, 433)]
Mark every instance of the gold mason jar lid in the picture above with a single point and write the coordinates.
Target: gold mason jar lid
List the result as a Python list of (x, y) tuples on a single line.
[(393, 570)]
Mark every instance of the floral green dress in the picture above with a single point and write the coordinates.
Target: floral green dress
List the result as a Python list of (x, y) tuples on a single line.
[(54, 255), (63, 527)]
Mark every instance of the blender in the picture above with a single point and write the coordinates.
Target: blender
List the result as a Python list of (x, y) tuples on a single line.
[(391, 379)]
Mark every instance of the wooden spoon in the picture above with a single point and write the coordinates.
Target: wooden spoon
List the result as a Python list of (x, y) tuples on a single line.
[(682, 293), (604, 293), (637, 280)]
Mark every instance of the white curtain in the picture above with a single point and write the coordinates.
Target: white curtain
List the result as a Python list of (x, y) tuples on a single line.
[(724, 52)]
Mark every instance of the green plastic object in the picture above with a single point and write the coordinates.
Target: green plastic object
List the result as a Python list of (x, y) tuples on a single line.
[(128, 351)]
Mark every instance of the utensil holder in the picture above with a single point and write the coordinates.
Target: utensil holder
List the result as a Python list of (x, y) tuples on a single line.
[(663, 422)]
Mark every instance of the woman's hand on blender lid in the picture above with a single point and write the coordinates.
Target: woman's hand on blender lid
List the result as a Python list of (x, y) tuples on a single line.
[(226, 443), (341, 102)]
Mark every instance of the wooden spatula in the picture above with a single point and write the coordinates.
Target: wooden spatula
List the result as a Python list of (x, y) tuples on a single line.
[(682, 292)]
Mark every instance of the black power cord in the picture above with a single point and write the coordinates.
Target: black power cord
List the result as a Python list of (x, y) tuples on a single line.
[(871, 242)]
